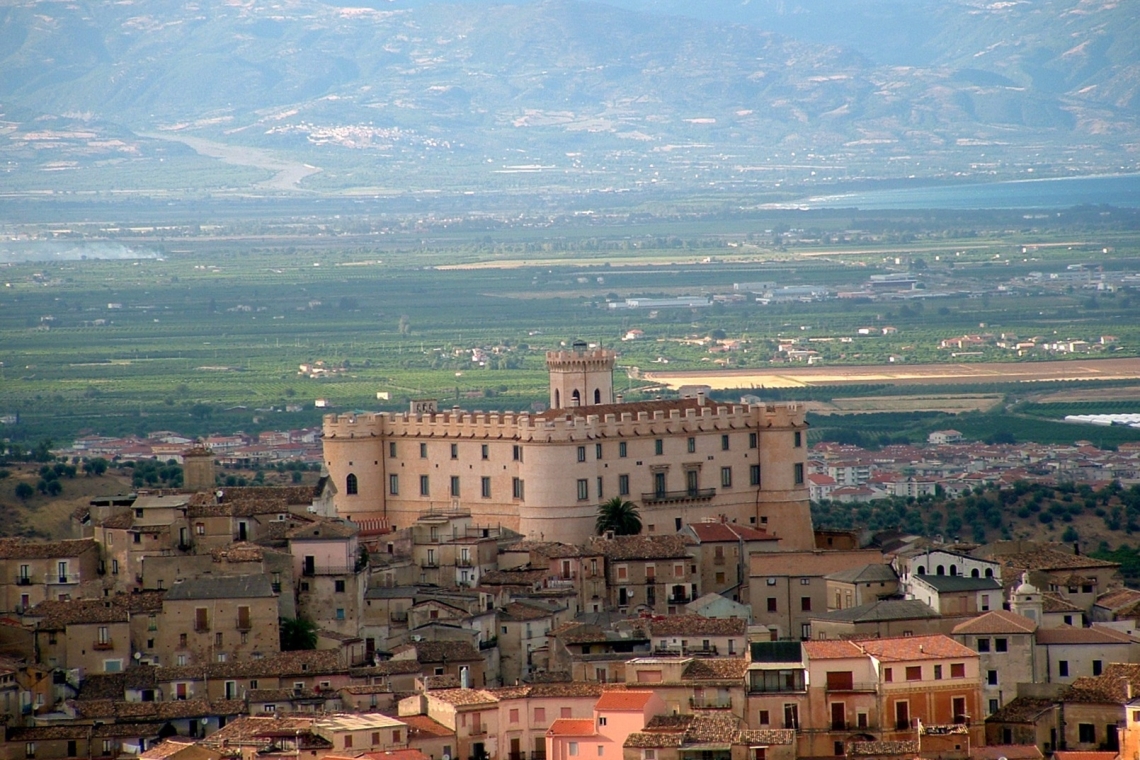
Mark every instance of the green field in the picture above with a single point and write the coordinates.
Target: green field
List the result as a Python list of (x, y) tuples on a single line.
[(210, 336)]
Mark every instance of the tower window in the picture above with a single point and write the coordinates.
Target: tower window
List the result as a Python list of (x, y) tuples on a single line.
[(597, 395), (350, 485), (659, 446)]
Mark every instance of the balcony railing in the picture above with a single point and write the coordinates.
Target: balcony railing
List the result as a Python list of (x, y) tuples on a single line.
[(244, 624), (870, 686), (464, 562), (478, 730), (63, 578), (103, 646), (429, 564), (710, 650), (23, 580), (710, 703), (682, 599), (398, 617), (311, 570), (690, 494)]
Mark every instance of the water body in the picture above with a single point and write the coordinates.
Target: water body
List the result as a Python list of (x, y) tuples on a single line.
[(1121, 190)]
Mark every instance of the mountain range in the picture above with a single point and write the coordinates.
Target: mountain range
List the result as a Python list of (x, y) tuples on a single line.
[(723, 94)]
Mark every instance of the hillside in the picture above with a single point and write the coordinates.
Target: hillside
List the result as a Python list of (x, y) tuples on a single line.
[(568, 95)]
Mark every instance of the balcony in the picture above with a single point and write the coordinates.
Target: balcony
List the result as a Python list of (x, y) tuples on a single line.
[(67, 579), (478, 730), (23, 580), (244, 624), (711, 703), (668, 497), (856, 686), (398, 617), (103, 646), (464, 562), (682, 599), (429, 564)]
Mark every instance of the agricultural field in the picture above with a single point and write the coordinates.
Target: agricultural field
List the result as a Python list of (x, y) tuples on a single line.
[(207, 331)]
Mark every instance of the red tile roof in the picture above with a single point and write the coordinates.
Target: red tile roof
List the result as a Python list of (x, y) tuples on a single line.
[(937, 647), (829, 649), (1069, 635), (997, 621), (1073, 755), (571, 727), (623, 700)]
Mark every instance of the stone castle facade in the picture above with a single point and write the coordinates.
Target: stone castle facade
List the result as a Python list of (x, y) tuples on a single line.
[(544, 475)]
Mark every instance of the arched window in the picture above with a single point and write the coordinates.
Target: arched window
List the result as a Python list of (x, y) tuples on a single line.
[(941, 570), (350, 485), (922, 569), (953, 569), (576, 397), (974, 573), (557, 399), (989, 572), (597, 395)]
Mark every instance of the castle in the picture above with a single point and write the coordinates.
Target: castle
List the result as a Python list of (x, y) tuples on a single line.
[(544, 475)]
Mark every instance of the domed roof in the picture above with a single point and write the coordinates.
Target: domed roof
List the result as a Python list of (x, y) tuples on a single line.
[(1025, 587)]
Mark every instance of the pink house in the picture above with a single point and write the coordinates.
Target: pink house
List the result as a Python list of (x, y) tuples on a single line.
[(617, 714)]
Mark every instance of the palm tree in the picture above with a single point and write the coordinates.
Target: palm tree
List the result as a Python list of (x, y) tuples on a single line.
[(618, 515)]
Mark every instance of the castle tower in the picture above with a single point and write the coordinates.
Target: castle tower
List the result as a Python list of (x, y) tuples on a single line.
[(198, 470), (580, 377)]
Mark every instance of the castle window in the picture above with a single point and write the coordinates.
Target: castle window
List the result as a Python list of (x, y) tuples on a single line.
[(516, 453), (659, 447), (798, 471), (599, 486), (692, 445), (623, 485), (455, 486), (394, 484), (597, 451), (583, 489), (597, 395), (350, 485), (485, 487), (622, 450), (724, 442), (576, 397), (486, 451), (455, 451), (752, 440), (799, 439), (423, 451), (581, 453), (391, 449), (754, 475), (425, 486), (726, 477), (517, 488)]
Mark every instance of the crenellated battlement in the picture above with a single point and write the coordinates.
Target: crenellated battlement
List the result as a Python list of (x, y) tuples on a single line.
[(670, 419), (598, 360)]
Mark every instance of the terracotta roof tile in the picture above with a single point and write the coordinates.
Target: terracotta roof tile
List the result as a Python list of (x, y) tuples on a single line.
[(1008, 751), (714, 532), (715, 669), (696, 625), (22, 548), (1021, 710), (1094, 636), (1074, 755), (571, 727), (996, 621), (463, 697), (935, 647), (622, 548), (623, 700), (422, 725), (831, 649)]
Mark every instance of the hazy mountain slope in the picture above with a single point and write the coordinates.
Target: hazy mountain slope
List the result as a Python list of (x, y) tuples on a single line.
[(923, 82)]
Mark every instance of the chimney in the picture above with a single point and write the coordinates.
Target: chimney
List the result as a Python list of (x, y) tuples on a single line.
[(620, 398), (700, 398)]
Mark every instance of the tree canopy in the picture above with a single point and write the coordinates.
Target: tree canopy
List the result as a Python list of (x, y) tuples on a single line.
[(618, 515)]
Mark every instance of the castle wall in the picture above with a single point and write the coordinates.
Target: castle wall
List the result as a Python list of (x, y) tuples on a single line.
[(555, 455)]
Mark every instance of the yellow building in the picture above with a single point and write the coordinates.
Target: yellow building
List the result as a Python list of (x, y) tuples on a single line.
[(544, 475)]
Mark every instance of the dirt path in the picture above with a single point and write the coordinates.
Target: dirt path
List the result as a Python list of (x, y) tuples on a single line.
[(288, 174)]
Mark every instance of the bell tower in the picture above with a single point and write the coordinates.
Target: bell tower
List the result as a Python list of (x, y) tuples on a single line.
[(580, 376)]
